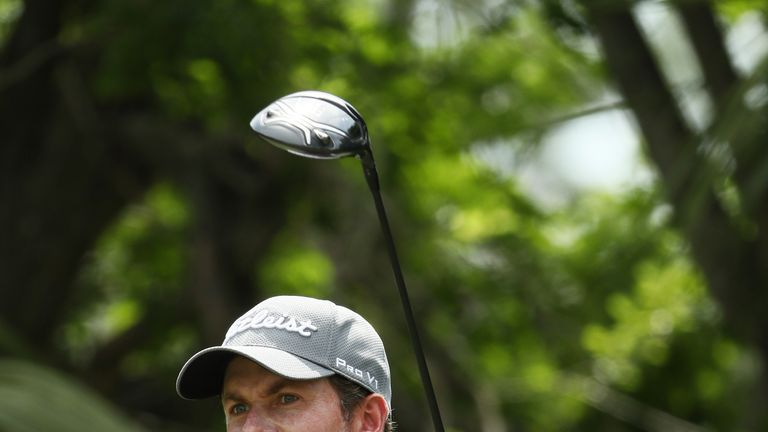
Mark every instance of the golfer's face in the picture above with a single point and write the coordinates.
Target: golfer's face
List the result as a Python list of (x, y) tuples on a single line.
[(255, 399)]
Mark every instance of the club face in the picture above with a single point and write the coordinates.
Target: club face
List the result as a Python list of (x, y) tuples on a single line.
[(313, 124)]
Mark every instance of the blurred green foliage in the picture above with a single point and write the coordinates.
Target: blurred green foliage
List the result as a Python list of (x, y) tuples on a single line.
[(589, 315), (37, 399)]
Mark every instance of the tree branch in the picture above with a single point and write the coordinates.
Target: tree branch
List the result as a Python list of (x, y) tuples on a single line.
[(670, 142), (709, 44)]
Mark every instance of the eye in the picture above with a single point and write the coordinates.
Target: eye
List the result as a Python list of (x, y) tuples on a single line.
[(287, 399), (238, 409)]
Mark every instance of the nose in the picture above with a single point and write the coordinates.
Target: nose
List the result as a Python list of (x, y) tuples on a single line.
[(258, 422)]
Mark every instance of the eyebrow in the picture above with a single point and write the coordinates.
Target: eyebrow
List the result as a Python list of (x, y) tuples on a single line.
[(278, 385), (274, 388), (231, 396)]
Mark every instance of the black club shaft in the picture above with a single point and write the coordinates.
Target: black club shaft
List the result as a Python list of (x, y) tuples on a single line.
[(371, 176)]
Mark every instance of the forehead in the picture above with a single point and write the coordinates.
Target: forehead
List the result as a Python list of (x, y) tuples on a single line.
[(241, 367), (245, 378)]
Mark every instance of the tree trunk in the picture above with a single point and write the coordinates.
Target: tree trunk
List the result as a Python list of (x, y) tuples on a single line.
[(732, 261)]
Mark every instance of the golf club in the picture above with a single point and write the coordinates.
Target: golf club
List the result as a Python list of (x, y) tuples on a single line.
[(320, 125)]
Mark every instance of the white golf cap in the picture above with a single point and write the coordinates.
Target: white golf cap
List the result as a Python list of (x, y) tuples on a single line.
[(298, 338)]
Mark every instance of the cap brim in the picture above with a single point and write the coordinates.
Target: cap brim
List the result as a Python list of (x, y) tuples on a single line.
[(203, 374)]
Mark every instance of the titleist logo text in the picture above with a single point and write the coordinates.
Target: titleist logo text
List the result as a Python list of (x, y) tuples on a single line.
[(262, 319)]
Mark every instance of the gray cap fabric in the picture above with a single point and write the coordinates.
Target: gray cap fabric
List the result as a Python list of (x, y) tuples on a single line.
[(297, 338)]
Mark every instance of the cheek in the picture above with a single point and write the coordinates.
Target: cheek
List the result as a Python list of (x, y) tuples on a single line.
[(326, 415), (234, 424)]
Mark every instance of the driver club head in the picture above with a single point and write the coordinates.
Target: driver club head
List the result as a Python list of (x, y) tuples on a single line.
[(313, 124)]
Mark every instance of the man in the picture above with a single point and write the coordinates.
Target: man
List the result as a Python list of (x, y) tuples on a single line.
[(295, 364)]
